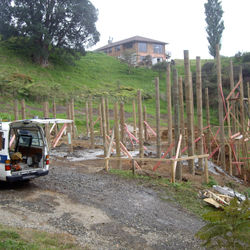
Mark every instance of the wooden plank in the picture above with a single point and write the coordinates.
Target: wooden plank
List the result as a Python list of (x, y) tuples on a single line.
[(109, 151), (164, 160), (59, 135), (176, 157)]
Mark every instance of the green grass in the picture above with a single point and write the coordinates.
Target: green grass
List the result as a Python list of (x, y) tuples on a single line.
[(95, 74), (26, 239), (183, 193)]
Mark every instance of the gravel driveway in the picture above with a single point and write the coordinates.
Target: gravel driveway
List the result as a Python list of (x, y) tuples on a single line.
[(102, 211)]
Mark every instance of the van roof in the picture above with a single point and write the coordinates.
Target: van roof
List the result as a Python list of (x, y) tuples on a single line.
[(6, 125)]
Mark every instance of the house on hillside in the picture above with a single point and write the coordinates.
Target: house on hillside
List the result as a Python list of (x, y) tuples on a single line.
[(143, 48)]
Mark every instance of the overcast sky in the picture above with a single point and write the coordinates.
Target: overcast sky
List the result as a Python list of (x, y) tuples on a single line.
[(181, 23)]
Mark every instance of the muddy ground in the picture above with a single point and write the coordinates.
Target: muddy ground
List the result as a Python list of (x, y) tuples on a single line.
[(100, 210)]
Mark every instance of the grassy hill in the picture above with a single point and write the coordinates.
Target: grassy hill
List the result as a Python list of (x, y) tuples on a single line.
[(95, 74)]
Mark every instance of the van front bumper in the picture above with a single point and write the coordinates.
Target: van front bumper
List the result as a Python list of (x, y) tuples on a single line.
[(27, 176)]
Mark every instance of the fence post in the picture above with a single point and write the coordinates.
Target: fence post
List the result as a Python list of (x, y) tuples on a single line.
[(117, 134), (190, 110), (107, 115), (199, 109), (181, 102), (91, 123), (169, 106), (140, 124), (220, 107), (158, 132), (122, 123), (134, 118), (104, 127)]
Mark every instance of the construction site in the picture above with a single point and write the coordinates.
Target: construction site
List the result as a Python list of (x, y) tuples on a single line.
[(184, 151)]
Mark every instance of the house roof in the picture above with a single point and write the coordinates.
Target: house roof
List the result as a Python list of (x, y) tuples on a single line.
[(131, 39)]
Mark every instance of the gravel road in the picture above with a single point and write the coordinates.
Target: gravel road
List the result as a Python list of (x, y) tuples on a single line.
[(102, 211)]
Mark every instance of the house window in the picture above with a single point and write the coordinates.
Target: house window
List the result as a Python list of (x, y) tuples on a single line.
[(109, 50), (142, 47), (128, 45), (158, 49), (118, 48), (142, 58)]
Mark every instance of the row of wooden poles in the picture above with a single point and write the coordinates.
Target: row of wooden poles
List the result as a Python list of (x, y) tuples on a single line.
[(176, 122)]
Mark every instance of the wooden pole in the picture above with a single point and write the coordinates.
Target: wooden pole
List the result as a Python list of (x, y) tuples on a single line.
[(72, 107), (91, 124), (190, 110), (87, 118), (54, 115), (176, 121), (140, 124), (23, 109), (230, 134), (199, 108), (169, 107), (54, 108), (70, 142), (134, 118), (46, 115), (181, 105), (46, 109), (158, 132), (107, 115), (220, 108), (144, 125), (117, 134), (248, 90), (206, 171), (231, 74), (243, 131), (104, 127), (122, 123), (176, 157), (109, 151), (16, 113), (100, 115)]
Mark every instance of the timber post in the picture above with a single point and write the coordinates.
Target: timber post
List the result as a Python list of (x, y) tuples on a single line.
[(91, 124), (169, 106), (158, 132), (140, 124), (117, 134), (199, 109), (176, 122), (190, 111), (220, 108)]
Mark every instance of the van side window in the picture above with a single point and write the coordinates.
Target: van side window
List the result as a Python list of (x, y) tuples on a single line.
[(2, 141)]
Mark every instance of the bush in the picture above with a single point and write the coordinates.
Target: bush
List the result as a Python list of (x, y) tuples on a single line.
[(227, 229)]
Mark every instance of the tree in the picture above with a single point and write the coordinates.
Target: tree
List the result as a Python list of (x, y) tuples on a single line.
[(227, 229), (215, 24), (49, 24), (129, 57)]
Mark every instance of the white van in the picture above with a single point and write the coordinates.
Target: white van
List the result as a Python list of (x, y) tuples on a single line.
[(24, 152)]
